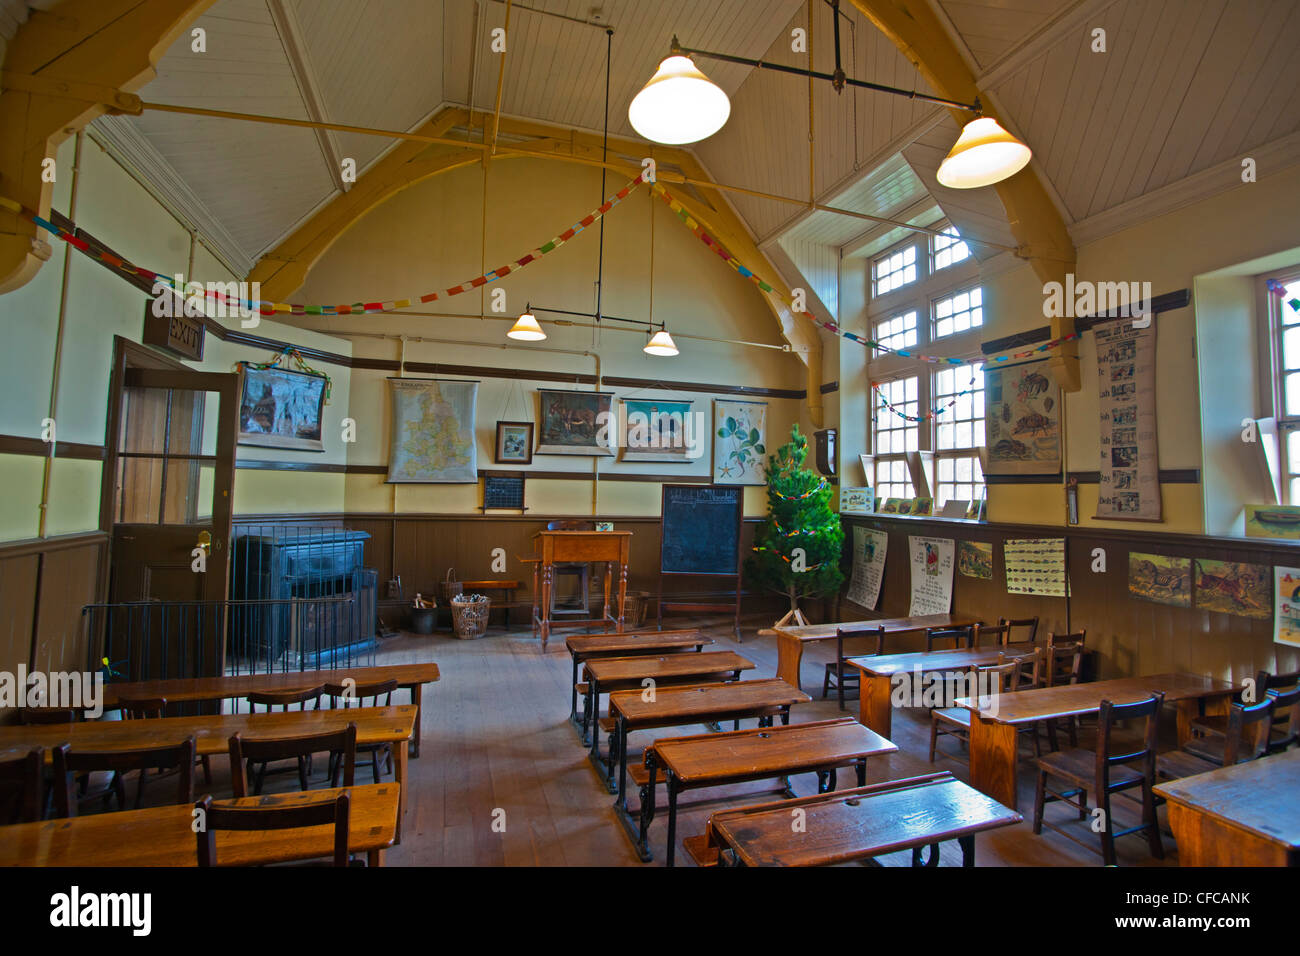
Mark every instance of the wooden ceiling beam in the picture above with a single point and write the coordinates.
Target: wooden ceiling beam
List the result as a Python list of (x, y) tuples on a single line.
[(1041, 234), (79, 45)]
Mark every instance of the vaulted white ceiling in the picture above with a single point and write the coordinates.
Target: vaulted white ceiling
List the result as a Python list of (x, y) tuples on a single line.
[(1183, 88)]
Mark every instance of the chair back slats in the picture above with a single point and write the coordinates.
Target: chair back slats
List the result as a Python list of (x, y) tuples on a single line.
[(1006, 671), (223, 816), (958, 636), (1029, 667), (47, 715), (245, 750), (68, 763), (1266, 682), (1111, 714), (271, 699), (1240, 717), (21, 781), (991, 635), (1064, 661), (1285, 718), (843, 634), (1029, 622), (379, 693), (143, 708)]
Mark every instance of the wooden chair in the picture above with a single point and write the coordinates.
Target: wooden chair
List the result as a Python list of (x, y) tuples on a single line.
[(575, 569), (224, 816), (1202, 754), (149, 708), (246, 752), (1062, 664), (955, 721), (1105, 774), (841, 675), (378, 694), (1284, 725), (1029, 622), (22, 783), (958, 635), (47, 715), (68, 762), (1215, 725), (284, 699), (990, 635)]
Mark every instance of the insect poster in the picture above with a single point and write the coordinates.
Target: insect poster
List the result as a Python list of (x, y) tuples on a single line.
[(1022, 420)]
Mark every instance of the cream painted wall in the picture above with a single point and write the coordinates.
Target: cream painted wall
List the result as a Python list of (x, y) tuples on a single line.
[(430, 237)]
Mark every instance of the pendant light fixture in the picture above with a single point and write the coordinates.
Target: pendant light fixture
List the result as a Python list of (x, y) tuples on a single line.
[(984, 154), (679, 105), (526, 328), (661, 343)]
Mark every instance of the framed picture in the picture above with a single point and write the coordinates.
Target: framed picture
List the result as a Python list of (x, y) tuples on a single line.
[(574, 423), (514, 443), (658, 430), (280, 409)]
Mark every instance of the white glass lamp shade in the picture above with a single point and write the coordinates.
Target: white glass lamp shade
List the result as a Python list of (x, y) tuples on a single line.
[(661, 343), (526, 329), (679, 104), (984, 154)]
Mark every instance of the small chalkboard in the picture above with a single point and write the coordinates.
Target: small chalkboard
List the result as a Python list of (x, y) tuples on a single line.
[(503, 491), (701, 529)]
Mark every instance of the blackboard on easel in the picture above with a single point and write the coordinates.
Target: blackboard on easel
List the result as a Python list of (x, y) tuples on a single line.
[(699, 536)]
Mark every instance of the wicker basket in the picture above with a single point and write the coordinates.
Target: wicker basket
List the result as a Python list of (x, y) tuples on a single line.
[(469, 615), (450, 587)]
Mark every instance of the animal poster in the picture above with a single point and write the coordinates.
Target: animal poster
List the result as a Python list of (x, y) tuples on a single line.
[(891, 506), (932, 562), (1022, 420), (1286, 611), (869, 548), (574, 423), (1159, 578), (1272, 521), (432, 437), (1126, 378), (1233, 588), (1035, 566), (279, 408), (975, 559), (739, 442)]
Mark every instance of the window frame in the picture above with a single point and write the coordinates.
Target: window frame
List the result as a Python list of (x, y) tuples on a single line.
[(1274, 362)]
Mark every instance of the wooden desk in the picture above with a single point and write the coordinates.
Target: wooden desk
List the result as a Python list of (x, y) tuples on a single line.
[(212, 733), (791, 640), (579, 547), (692, 704), (715, 760), (1238, 816), (412, 677), (583, 647), (993, 752), (875, 707), (163, 836), (608, 674), (864, 822)]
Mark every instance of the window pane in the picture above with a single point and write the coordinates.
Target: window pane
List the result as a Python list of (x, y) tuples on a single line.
[(1291, 388), (893, 270), (959, 312), (947, 249), (1293, 453)]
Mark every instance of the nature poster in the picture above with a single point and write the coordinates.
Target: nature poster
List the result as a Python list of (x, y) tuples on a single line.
[(1234, 588), (1160, 578), (739, 442), (975, 559)]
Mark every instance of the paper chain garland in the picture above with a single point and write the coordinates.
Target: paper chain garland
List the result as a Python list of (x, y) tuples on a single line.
[(827, 324), (388, 305), (296, 356), (932, 413), (807, 494), (1279, 290), (812, 567)]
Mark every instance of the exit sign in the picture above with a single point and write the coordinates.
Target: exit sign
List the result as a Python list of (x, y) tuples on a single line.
[(179, 334)]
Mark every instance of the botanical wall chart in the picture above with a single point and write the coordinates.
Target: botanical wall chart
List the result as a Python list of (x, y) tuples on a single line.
[(1022, 420), (739, 442), (432, 437)]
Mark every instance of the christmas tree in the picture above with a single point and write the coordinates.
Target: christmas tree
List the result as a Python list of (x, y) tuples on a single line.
[(797, 547)]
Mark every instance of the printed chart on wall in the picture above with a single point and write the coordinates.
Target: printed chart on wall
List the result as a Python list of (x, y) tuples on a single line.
[(869, 548), (1233, 587), (1126, 378), (1035, 566), (739, 437), (1022, 420), (1286, 608), (433, 431), (932, 564)]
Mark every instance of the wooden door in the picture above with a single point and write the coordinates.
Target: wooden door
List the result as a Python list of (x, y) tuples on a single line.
[(172, 458)]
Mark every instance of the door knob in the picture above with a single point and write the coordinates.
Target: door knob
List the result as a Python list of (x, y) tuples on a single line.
[(205, 541)]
